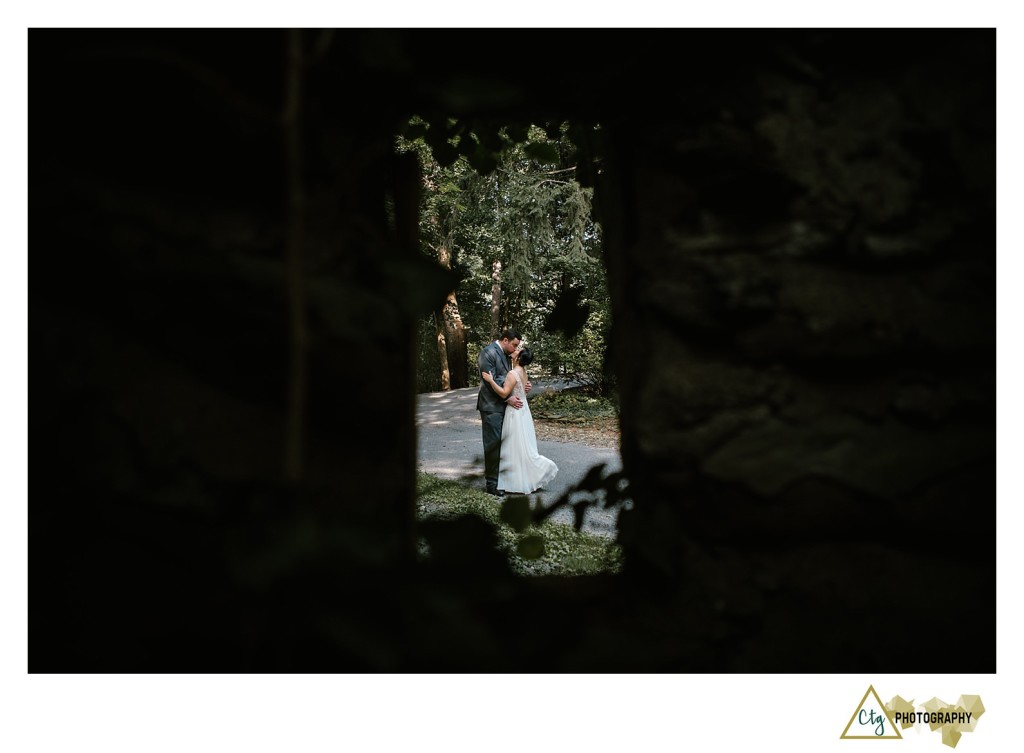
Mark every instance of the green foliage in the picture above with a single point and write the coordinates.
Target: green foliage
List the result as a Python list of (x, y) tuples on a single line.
[(581, 358), (428, 370), (573, 404), (530, 214), (549, 549)]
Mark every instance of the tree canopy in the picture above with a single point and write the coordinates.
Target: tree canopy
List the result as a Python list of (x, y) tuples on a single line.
[(506, 208)]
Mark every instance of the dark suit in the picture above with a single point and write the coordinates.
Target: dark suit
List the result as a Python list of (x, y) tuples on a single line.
[(492, 408)]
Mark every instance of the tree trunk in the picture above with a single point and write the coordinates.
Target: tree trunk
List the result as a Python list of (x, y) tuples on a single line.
[(458, 356), (454, 332), (495, 299), (442, 351)]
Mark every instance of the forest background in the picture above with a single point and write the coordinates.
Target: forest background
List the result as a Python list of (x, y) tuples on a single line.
[(502, 208)]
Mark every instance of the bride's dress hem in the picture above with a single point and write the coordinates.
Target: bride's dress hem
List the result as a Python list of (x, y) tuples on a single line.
[(522, 469)]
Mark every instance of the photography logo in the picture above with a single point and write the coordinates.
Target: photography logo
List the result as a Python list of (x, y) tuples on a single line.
[(871, 720), (950, 720)]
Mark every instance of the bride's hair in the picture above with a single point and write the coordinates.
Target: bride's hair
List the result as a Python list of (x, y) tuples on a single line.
[(525, 357)]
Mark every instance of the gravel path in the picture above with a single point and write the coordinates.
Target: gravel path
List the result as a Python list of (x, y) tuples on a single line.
[(449, 446)]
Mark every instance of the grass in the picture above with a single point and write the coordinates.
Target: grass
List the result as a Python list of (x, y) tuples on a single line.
[(566, 550)]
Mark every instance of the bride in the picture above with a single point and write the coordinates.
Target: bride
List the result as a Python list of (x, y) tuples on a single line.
[(522, 469)]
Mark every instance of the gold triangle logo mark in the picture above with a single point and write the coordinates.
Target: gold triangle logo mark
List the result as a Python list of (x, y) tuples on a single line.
[(871, 720)]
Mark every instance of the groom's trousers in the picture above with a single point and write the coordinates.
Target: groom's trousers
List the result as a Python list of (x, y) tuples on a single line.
[(491, 423)]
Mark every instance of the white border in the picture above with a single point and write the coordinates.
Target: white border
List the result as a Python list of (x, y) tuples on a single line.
[(521, 14), (483, 712)]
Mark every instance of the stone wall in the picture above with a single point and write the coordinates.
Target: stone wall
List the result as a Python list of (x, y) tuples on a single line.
[(805, 334), (800, 243)]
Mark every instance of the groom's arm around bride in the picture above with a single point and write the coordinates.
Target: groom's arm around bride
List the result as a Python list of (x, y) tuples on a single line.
[(494, 359)]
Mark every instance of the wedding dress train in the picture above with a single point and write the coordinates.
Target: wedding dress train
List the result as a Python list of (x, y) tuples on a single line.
[(522, 469)]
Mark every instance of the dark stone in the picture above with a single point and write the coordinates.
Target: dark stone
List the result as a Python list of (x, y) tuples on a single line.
[(800, 244)]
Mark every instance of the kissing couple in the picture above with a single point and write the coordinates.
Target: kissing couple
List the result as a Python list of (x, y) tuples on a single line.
[(511, 460)]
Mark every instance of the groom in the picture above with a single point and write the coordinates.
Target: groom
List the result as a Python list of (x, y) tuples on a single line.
[(495, 359)]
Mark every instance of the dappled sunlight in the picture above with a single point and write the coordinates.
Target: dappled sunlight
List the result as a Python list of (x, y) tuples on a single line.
[(444, 409), (450, 468), (449, 446)]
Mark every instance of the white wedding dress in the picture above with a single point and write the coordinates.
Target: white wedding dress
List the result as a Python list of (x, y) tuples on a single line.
[(522, 468)]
